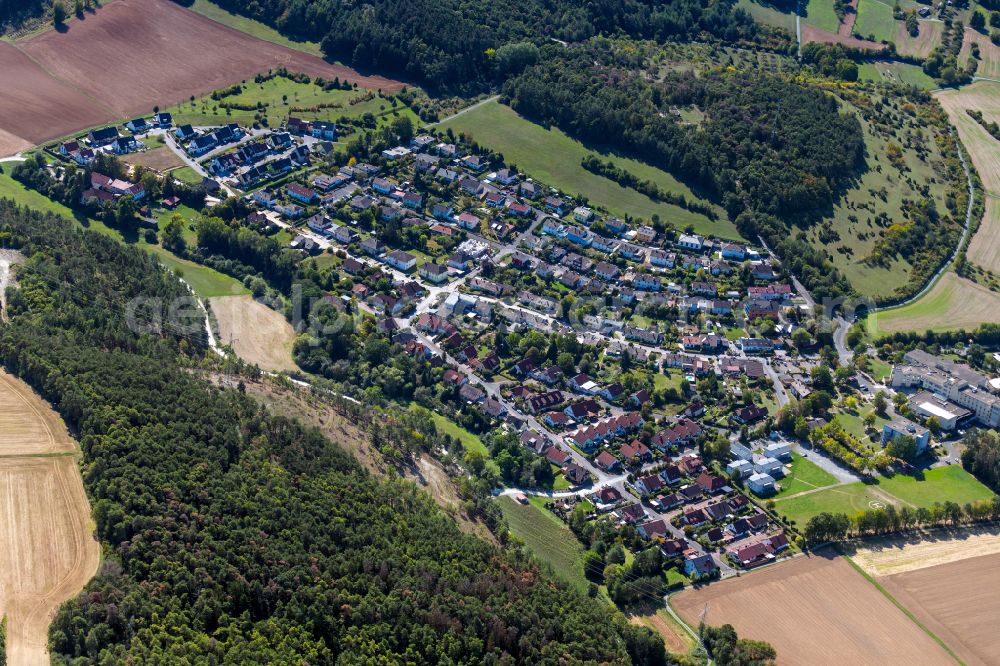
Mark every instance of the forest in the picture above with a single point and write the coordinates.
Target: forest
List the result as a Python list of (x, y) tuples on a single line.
[(236, 536), (481, 41)]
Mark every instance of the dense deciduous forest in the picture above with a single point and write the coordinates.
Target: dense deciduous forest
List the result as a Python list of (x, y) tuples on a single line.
[(450, 43), (234, 536)]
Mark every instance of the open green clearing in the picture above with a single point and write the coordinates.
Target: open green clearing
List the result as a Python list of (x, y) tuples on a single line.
[(820, 14), (896, 72), (771, 15), (554, 159), (853, 421), (205, 281), (952, 303), (850, 232), (804, 475), (943, 484), (547, 537), (279, 97), (186, 174), (469, 441), (875, 21), (253, 28)]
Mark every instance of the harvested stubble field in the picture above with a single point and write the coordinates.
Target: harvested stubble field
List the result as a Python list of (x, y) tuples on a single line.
[(130, 56), (812, 34), (958, 601), (989, 54), (257, 333), (952, 303), (814, 610), (47, 549), (984, 151), (899, 554), (928, 36)]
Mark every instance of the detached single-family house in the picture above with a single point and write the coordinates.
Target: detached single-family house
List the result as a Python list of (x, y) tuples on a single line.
[(400, 260), (436, 273)]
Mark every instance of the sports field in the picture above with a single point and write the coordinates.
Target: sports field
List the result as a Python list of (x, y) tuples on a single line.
[(815, 610), (554, 159), (547, 538), (47, 548), (951, 483)]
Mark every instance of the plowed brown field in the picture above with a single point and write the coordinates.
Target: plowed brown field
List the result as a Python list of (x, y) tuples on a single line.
[(47, 548), (126, 58), (958, 601), (814, 610)]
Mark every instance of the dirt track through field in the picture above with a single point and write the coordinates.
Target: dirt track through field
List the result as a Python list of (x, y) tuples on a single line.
[(958, 601), (128, 57), (257, 333), (814, 610), (47, 548)]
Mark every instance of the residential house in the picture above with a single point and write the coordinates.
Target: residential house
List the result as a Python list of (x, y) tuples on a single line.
[(436, 273), (403, 261)]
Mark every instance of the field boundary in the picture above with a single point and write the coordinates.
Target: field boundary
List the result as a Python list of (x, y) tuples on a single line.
[(906, 611)]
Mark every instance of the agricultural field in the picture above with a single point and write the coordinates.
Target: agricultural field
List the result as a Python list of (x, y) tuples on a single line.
[(928, 36), (547, 537), (814, 34), (885, 556), (984, 151), (952, 303), (852, 230), (47, 548), (875, 21), (989, 54), (59, 82), (814, 610), (256, 333), (942, 484), (803, 475), (958, 602), (530, 147)]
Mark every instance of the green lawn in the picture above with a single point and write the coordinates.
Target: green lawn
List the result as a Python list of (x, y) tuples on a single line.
[(943, 484), (875, 21), (470, 441), (254, 28), (896, 72), (849, 499), (205, 281), (820, 14), (186, 174), (762, 12), (878, 368), (547, 537), (853, 422), (11, 189), (804, 475), (554, 159)]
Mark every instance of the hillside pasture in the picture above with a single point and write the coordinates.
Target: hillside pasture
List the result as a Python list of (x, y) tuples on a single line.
[(554, 159), (130, 56), (900, 73), (819, 14), (814, 610), (958, 602), (547, 538)]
